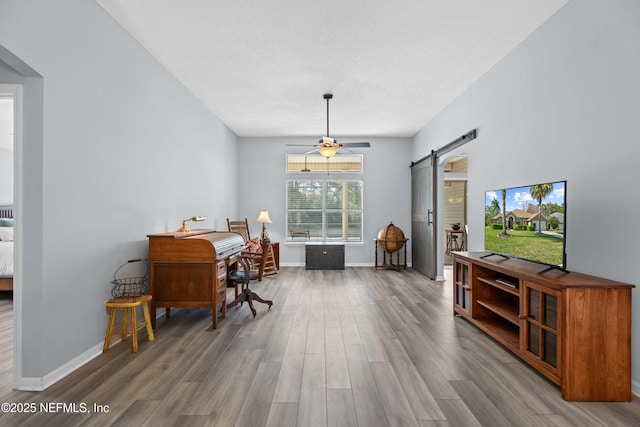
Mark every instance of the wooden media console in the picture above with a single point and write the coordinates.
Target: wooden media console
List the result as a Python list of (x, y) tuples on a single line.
[(573, 328)]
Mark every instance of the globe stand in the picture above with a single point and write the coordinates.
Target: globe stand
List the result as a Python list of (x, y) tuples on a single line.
[(391, 239), (391, 265)]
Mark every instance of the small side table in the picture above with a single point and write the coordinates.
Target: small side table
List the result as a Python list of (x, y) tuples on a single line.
[(272, 262), (275, 246)]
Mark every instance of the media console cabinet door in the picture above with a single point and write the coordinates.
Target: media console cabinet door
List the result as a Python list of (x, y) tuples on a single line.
[(541, 327), (462, 287), (597, 344)]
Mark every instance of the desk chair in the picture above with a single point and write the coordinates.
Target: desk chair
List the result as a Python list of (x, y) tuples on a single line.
[(254, 245), (242, 276)]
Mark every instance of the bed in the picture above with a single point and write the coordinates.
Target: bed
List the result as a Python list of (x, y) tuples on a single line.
[(6, 248)]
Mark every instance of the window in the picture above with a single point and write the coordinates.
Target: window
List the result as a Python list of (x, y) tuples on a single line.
[(351, 163), (324, 211)]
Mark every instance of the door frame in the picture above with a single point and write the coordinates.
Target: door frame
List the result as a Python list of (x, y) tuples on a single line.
[(15, 91)]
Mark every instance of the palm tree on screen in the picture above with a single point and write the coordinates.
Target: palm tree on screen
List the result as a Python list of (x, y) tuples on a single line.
[(539, 192), (504, 215)]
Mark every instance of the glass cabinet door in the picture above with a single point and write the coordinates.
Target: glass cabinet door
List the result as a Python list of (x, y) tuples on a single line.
[(541, 324), (462, 290)]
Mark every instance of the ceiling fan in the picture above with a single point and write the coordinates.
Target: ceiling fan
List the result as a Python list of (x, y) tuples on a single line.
[(327, 146)]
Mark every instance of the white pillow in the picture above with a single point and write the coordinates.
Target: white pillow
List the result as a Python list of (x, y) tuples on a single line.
[(6, 234)]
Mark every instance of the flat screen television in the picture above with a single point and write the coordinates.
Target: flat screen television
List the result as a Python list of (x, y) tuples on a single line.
[(528, 222)]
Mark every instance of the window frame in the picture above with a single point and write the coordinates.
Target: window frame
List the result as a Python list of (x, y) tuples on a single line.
[(324, 211), (324, 165)]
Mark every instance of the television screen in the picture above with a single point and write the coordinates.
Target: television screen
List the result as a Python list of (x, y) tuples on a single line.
[(527, 222)]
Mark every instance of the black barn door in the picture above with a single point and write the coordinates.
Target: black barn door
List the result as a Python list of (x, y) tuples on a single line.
[(423, 235)]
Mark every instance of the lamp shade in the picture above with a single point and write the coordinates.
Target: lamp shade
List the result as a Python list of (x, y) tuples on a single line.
[(328, 151), (264, 217)]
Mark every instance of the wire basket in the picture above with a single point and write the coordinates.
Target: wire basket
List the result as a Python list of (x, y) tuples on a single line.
[(130, 287)]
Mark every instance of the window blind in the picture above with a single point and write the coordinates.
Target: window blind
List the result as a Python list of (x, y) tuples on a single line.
[(324, 210)]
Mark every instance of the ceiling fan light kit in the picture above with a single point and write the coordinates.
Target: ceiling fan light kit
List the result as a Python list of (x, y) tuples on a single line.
[(328, 151), (327, 146)]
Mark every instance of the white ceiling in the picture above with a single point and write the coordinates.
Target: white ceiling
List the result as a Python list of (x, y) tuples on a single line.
[(263, 66)]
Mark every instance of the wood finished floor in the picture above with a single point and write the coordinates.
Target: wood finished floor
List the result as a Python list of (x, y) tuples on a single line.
[(358, 347), (6, 343)]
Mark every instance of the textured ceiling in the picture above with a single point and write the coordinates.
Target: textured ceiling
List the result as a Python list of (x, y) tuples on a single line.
[(262, 66)]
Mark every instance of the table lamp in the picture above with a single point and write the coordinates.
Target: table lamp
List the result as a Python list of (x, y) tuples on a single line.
[(264, 218)]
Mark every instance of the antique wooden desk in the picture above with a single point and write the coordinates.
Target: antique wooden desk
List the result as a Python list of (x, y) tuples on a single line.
[(189, 270)]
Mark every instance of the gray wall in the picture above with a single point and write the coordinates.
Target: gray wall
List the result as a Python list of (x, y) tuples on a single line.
[(564, 105), (387, 190), (115, 148)]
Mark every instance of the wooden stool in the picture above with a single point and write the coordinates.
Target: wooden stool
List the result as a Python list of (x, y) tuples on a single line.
[(129, 305)]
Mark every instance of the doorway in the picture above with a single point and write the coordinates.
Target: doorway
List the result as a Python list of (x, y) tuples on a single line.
[(454, 206), (428, 176), (8, 129)]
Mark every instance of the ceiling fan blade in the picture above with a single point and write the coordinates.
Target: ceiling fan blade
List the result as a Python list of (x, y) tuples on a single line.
[(356, 144), (343, 151), (301, 145)]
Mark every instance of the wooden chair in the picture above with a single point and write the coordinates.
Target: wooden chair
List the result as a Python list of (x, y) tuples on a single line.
[(242, 227), (244, 274)]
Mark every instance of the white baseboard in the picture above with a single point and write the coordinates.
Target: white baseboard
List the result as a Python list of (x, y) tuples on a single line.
[(39, 384), (292, 264)]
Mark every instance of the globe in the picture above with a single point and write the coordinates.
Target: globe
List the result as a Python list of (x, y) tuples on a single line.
[(391, 238)]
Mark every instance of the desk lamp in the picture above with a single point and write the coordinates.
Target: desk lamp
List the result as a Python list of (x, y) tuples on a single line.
[(186, 229)]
